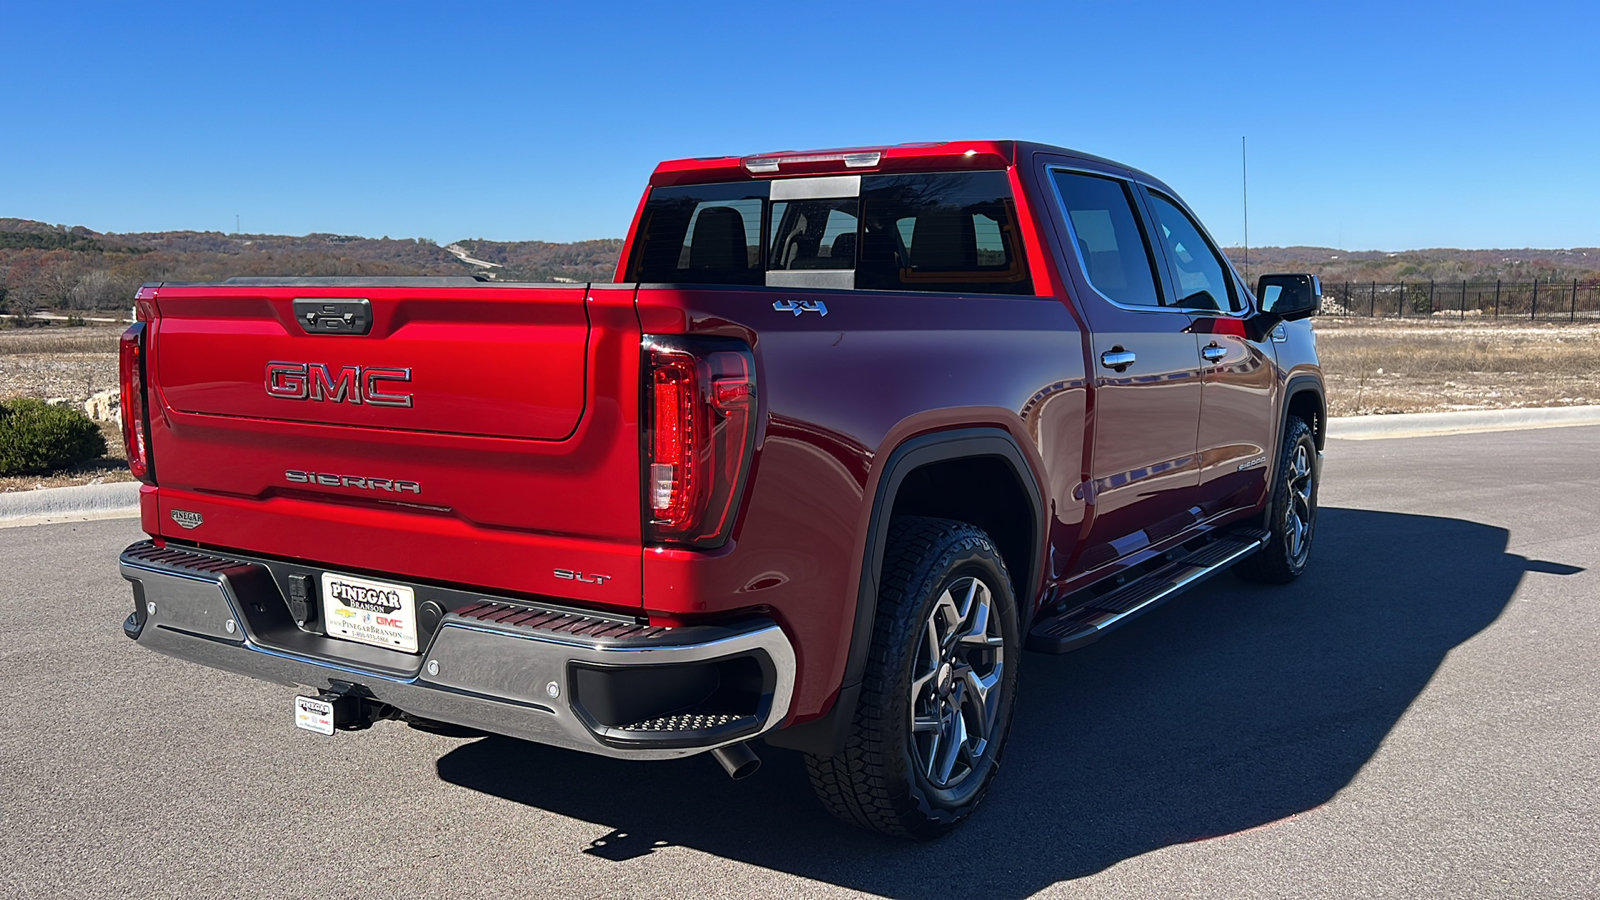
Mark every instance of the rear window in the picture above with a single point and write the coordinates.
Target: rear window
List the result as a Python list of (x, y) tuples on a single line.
[(947, 232)]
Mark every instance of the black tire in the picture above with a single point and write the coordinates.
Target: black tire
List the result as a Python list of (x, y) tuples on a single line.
[(1294, 511), (891, 776)]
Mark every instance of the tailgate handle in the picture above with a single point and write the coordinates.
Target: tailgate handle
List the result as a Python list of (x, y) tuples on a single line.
[(318, 315)]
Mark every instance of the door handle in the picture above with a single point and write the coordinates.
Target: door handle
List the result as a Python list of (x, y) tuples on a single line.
[(1214, 353), (1117, 359)]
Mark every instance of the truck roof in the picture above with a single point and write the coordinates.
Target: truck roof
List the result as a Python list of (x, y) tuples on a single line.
[(943, 155)]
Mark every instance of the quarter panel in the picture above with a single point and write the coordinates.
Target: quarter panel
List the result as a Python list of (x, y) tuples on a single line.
[(838, 391)]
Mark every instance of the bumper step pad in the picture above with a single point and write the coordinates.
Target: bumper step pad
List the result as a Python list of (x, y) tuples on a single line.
[(1084, 624), (692, 722), (559, 623)]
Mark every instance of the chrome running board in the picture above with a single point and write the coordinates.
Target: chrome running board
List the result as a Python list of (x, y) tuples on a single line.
[(1084, 624)]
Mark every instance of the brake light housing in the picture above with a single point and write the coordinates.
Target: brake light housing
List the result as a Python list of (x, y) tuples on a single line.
[(135, 407), (700, 403)]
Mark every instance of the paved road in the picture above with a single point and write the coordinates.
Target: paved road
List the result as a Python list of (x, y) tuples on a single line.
[(1418, 717)]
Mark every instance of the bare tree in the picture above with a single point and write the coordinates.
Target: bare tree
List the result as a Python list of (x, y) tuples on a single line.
[(99, 289)]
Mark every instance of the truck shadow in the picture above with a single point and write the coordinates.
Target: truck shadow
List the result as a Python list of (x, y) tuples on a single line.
[(1234, 707)]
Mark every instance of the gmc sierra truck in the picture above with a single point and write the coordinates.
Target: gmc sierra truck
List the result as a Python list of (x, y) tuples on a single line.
[(850, 432)]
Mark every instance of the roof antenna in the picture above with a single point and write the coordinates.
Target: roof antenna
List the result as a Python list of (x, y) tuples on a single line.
[(1244, 168)]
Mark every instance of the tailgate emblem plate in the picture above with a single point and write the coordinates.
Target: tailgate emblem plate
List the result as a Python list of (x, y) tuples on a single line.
[(188, 520)]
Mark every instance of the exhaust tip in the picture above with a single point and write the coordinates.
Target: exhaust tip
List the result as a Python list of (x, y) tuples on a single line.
[(738, 760)]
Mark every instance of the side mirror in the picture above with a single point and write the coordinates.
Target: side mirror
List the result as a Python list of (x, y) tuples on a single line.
[(1284, 298), (1290, 297)]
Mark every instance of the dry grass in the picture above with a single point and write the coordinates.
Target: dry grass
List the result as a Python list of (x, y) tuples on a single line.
[(57, 339), (70, 363), (1387, 366)]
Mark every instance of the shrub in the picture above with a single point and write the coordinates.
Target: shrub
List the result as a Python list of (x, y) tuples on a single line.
[(36, 437)]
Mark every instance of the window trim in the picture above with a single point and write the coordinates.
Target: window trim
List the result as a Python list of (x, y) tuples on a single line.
[(1140, 217)]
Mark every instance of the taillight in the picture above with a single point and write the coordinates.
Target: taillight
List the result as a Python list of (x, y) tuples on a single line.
[(135, 414), (700, 400)]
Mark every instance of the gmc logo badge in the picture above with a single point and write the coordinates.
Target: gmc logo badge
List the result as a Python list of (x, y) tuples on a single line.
[(350, 384)]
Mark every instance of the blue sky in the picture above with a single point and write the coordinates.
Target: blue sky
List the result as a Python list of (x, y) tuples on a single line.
[(1370, 126)]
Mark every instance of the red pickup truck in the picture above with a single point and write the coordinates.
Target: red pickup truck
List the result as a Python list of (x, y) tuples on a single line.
[(850, 432)]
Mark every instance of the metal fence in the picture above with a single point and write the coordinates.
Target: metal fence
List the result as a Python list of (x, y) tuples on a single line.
[(1544, 301)]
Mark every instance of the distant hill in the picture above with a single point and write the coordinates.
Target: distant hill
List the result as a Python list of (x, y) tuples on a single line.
[(1422, 265), (54, 266)]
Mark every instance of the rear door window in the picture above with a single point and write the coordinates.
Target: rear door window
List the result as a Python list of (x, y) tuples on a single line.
[(1106, 233)]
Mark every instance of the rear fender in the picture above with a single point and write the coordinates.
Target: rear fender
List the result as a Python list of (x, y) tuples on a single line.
[(825, 736)]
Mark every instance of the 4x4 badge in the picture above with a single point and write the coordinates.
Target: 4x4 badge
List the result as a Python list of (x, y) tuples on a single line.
[(801, 306), (188, 519)]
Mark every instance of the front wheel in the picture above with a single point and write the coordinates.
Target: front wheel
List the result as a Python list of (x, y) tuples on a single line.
[(939, 687), (1293, 520)]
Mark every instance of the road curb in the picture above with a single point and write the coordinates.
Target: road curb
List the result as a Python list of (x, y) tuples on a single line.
[(1404, 425), (70, 504)]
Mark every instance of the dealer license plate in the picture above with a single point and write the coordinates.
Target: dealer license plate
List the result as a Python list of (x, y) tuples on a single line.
[(372, 612), (313, 715)]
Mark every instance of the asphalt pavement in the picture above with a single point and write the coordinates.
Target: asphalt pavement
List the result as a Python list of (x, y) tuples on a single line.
[(1418, 716)]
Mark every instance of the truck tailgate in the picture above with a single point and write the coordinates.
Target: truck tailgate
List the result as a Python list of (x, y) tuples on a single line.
[(478, 435)]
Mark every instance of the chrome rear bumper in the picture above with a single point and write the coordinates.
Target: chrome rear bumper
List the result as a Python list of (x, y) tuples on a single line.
[(501, 666)]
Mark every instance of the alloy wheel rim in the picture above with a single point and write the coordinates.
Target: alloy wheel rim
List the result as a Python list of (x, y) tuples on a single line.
[(1300, 512), (955, 683)]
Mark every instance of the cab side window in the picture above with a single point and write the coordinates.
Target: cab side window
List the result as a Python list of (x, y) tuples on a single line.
[(1202, 276), (951, 232), (1105, 229), (700, 234)]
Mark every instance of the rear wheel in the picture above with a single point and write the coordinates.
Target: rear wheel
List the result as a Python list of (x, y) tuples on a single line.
[(1293, 520), (938, 691)]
